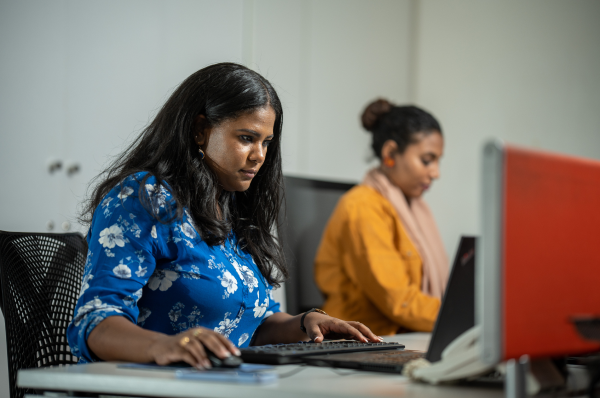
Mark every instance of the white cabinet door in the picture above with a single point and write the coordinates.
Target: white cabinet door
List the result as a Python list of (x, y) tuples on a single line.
[(32, 113)]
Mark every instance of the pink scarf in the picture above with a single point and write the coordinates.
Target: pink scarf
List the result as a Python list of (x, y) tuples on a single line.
[(420, 226)]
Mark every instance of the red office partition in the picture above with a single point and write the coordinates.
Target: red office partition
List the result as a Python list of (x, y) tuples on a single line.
[(550, 252)]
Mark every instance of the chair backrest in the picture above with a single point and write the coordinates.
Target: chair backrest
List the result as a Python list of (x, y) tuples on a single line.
[(308, 206), (40, 280)]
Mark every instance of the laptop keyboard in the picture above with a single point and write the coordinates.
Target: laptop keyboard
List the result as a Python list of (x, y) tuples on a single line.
[(398, 358), (292, 353), (383, 361)]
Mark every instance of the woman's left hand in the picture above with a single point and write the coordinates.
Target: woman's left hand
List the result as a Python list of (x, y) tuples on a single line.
[(318, 326)]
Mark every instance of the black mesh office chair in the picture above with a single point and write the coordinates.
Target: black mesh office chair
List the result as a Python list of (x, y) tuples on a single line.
[(309, 204), (40, 279)]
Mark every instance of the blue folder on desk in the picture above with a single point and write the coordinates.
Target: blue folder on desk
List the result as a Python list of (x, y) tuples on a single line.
[(247, 373)]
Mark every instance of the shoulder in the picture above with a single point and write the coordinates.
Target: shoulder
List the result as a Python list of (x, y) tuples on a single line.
[(362, 192), (142, 182), (362, 213), (360, 207), (131, 184), (138, 193), (362, 198)]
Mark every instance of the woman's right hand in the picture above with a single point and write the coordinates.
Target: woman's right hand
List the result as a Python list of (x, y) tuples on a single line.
[(191, 346)]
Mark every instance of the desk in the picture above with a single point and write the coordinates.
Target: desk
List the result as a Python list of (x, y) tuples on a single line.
[(106, 378)]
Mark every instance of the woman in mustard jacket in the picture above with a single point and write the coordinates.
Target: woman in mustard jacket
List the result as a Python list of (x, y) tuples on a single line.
[(381, 260)]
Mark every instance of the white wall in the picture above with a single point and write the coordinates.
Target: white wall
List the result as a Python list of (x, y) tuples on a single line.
[(526, 72), (79, 79), (327, 59)]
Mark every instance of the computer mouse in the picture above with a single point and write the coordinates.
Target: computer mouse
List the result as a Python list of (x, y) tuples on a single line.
[(215, 361), (229, 362)]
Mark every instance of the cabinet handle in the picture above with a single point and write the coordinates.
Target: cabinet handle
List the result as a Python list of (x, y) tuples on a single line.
[(54, 165), (73, 168)]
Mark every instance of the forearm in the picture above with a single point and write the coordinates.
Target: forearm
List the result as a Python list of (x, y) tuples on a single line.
[(406, 306), (385, 279), (420, 313), (279, 328), (285, 328), (118, 339)]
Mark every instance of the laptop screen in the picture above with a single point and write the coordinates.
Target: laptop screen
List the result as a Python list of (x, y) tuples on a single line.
[(457, 313)]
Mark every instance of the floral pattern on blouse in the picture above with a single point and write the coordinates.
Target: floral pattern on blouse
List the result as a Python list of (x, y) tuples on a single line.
[(164, 277)]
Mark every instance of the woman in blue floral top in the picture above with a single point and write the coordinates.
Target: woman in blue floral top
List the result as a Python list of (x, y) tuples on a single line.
[(182, 256)]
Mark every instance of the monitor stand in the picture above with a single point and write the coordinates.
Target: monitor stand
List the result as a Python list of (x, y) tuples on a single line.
[(526, 377)]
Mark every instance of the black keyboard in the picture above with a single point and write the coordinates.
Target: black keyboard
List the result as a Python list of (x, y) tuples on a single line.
[(293, 353)]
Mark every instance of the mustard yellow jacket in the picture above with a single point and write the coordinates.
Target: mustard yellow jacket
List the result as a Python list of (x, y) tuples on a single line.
[(368, 268)]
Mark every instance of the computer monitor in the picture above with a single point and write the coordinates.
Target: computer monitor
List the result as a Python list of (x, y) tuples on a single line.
[(540, 263)]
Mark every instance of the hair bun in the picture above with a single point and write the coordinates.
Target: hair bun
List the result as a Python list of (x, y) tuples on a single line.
[(373, 112)]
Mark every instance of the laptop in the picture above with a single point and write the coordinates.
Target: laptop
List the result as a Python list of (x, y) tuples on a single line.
[(456, 316)]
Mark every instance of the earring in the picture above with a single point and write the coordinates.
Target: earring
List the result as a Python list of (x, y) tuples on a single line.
[(389, 162), (201, 153)]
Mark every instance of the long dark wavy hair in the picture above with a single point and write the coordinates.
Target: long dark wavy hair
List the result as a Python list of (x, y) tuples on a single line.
[(166, 150)]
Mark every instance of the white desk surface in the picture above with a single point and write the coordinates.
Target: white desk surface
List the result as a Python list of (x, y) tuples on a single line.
[(106, 378)]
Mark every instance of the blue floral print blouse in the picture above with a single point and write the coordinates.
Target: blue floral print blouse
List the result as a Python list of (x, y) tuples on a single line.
[(164, 277)]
